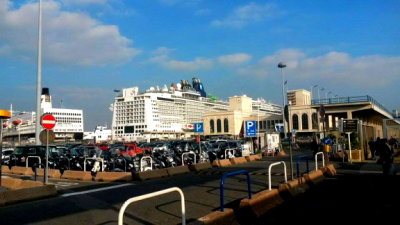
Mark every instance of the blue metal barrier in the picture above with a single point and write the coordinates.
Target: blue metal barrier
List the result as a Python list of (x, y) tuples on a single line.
[(298, 158), (221, 187)]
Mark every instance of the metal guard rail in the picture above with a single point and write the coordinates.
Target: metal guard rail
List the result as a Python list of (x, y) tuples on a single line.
[(37, 157), (269, 173), (188, 153), (302, 157), (316, 160), (141, 162), (93, 159), (151, 195), (221, 186), (354, 99)]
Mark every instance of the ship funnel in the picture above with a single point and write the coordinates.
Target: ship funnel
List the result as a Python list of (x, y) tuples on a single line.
[(45, 91)]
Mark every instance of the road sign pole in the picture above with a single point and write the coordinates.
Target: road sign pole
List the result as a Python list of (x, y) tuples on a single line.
[(47, 158), (200, 147), (350, 156)]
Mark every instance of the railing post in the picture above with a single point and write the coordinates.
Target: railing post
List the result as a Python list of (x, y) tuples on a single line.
[(232, 150), (27, 159), (221, 186), (298, 158), (269, 172), (150, 195), (188, 153), (151, 162), (316, 160)]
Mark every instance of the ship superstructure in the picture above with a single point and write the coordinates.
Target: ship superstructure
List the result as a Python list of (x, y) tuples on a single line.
[(161, 112), (20, 128)]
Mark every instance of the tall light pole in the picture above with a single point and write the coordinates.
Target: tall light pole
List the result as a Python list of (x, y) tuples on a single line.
[(322, 89), (281, 65), (258, 126), (327, 94), (312, 90), (39, 76)]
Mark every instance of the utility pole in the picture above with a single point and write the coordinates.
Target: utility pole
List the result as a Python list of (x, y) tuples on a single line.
[(39, 77)]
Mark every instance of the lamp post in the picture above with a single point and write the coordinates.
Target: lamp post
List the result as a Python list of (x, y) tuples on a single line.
[(39, 76), (320, 89), (312, 90), (113, 109), (327, 94), (281, 65), (258, 126)]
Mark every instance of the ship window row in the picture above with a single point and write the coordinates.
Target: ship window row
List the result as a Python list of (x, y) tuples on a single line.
[(65, 114), (70, 120)]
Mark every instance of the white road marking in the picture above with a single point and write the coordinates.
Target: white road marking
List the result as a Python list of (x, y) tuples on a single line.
[(95, 190)]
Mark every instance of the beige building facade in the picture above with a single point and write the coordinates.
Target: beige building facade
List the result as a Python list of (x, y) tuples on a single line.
[(231, 123)]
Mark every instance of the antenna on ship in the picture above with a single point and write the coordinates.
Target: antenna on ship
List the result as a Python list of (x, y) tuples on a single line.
[(61, 104)]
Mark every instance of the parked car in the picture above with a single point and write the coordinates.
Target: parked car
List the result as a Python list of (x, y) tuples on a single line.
[(5, 157), (31, 154)]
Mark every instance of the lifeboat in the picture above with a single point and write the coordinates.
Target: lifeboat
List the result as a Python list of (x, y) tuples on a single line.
[(16, 122)]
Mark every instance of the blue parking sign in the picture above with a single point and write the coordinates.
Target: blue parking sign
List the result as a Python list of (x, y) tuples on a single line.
[(198, 127), (251, 128)]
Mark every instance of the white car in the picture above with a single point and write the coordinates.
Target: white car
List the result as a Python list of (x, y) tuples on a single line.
[(6, 154)]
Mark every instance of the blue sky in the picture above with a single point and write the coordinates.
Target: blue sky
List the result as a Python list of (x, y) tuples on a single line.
[(91, 47)]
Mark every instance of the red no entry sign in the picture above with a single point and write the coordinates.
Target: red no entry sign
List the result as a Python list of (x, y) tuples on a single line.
[(48, 121)]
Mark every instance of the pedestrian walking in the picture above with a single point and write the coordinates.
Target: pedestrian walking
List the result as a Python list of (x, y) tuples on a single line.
[(372, 149), (385, 157), (314, 146)]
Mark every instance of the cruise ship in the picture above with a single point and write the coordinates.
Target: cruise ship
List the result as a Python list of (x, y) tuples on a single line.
[(167, 112), (20, 128)]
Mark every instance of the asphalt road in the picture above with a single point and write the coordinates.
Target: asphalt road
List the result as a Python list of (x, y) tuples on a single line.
[(99, 203)]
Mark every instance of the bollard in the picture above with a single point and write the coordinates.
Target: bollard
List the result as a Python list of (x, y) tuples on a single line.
[(35, 171)]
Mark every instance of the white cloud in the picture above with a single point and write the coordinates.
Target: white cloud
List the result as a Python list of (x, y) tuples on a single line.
[(248, 14), (84, 2), (197, 64), (234, 59), (333, 67), (69, 38), (184, 2), (202, 12), (162, 57)]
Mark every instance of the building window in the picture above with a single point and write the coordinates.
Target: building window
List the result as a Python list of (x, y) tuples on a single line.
[(226, 125), (304, 121), (295, 120), (219, 126), (314, 120), (211, 126)]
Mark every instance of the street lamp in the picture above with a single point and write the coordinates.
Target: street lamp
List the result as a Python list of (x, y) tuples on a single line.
[(39, 76), (258, 126), (322, 89), (327, 94), (312, 89), (281, 65)]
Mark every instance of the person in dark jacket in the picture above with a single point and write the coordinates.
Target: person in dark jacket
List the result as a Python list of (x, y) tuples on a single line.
[(314, 146), (372, 149), (385, 157)]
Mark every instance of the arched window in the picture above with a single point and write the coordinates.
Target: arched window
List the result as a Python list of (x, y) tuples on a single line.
[(212, 126), (304, 121), (295, 120), (314, 121), (226, 125), (219, 126)]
